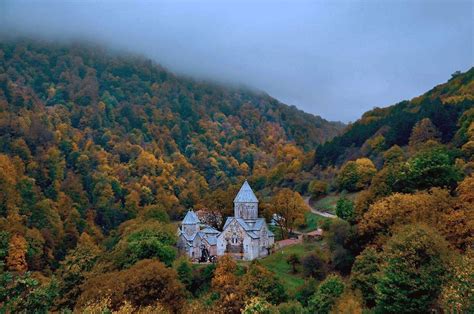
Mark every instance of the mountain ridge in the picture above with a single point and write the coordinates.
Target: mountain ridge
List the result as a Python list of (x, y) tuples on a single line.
[(444, 104)]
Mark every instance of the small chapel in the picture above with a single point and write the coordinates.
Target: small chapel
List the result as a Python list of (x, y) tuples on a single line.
[(244, 236)]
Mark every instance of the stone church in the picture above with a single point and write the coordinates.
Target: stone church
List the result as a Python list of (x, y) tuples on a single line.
[(244, 236)]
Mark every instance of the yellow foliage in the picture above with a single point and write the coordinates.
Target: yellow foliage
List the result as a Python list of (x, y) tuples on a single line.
[(468, 149), (348, 303), (436, 208), (224, 280), (290, 207), (457, 294), (465, 190), (146, 163)]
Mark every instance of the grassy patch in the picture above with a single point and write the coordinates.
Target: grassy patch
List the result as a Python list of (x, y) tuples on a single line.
[(277, 263), (312, 221), (328, 203)]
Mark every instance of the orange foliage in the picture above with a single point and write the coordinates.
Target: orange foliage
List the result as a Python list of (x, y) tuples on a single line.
[(16, 259)]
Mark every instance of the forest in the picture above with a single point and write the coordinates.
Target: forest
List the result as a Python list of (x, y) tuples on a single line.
[(102, 154)]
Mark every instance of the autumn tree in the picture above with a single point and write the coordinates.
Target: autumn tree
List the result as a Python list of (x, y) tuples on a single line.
[(225, 283), (261, 282), (355, 175), (393, 155), (436, 208), (456, 295), (423, 131), (16, 259), (349, 303), (257, 305), (148, 282), (219, 204), (289, 208), (317, 188), (291, 307), (9, 198)]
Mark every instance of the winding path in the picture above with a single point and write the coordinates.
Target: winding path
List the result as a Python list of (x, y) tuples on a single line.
[(317, 212), (287, 242)]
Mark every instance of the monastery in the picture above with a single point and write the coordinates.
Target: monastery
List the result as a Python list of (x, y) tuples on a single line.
[(244, 236)]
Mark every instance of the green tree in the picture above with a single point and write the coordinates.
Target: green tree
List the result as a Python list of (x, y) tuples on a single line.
[(341, 240), (20, 293), (291, 307), (414, 271), (345, 209), (326, 295), (185, 273), (364, 274), (74, 269), (314, 265), (433, 167), (149, 243), (293, 260), (4, 241), (306, 291), (348, 177)]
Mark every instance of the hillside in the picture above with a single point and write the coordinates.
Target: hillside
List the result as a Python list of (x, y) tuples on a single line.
[(381, 128), (80, 122), (101, 154)]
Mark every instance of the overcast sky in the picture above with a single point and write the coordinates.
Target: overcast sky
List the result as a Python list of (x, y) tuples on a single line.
[(336, 59)]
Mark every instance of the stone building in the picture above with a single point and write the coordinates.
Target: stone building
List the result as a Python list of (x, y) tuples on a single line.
[(193, 237), (244, 236)]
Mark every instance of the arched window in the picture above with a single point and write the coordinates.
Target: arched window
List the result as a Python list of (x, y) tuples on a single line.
[(235, 238)]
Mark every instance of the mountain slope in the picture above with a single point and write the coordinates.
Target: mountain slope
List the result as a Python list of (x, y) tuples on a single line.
[(103, 136), (443, 105)]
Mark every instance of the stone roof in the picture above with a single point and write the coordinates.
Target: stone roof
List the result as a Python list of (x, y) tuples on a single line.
[(210, 230), (247, 224), (191, 218), (212, 240), (245, 194), (209, 236)]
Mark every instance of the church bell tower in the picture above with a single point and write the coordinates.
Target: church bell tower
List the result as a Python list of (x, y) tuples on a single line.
[(246, 203)]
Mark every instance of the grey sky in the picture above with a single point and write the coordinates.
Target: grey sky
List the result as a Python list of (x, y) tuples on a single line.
[(336, 59)]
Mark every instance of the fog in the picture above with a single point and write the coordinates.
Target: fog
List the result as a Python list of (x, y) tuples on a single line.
[(336, 59)]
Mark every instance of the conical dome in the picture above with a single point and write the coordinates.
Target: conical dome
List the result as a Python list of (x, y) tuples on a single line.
[(191, 218), (245, 194)]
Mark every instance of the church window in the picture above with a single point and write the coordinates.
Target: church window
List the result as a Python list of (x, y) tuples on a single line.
[(235, 239)]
